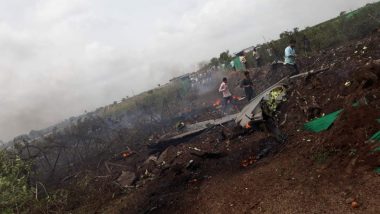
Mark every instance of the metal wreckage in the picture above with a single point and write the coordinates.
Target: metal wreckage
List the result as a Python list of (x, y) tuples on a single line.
[(260, 112)]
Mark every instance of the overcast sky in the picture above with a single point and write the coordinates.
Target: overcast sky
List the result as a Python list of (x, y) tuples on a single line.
[(61, 57)]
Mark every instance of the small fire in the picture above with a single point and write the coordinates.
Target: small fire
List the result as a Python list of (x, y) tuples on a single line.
[(126, 154), (217, 103), (247, 162), (248, 126), (236, 97)]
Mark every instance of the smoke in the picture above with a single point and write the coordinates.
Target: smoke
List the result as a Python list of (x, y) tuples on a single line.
[(60, 58)]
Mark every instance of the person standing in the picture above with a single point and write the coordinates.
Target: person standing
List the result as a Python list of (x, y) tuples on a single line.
[(290, 57), (227, 96), (232, 64), (243, 61), (257, 57), (306, 45), (247, 84), (274, 52)]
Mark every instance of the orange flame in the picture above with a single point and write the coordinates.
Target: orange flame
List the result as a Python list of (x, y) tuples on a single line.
[(247, 162), (247, 126), (217, 103), (126, 154)]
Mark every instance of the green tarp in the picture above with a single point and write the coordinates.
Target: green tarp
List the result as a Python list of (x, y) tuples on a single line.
[(376, 136), (377, 170), (376, 149), (322, 123), (239, 66)]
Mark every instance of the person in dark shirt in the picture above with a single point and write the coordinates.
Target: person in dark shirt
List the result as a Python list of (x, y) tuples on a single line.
[(247, 84), (306, 45)]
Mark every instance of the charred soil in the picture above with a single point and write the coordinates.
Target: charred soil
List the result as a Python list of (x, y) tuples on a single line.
[(230, 170)]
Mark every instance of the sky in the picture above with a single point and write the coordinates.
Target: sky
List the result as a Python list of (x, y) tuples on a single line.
[(59, 58)]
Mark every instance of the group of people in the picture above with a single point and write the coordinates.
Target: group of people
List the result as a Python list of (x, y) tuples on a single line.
[(247, 84), (243, 59)]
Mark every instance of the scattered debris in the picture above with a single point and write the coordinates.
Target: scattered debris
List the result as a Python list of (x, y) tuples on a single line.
[(350, 200), (151, 158), (209, 155), (147, 175), (253, 110), (195, 148), (192, 165), (193, 181), (308, 74), (126, 178), (180, 126), (190, 131), (284, 121)]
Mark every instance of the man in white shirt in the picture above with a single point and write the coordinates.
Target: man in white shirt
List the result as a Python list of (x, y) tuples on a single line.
[(290, 56), (227, 96)]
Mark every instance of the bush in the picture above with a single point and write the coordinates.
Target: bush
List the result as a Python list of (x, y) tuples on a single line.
[(14, 190)]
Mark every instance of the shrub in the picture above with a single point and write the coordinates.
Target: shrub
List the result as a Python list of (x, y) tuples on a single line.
[(14, 189)]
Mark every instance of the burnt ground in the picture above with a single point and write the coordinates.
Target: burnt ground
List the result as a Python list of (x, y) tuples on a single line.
[(230, 170)]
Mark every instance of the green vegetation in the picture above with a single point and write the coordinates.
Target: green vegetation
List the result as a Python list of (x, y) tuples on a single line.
[(332, 33), (15, 192), (162, 101)]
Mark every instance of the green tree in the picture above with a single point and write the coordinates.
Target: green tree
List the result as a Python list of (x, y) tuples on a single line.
[(225, 57), (214, 61)]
